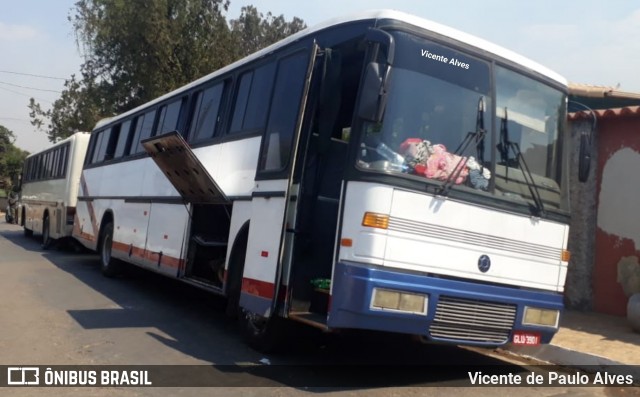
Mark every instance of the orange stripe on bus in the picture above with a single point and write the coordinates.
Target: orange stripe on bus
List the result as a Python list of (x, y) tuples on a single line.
[(140, 253), (257, 287), (261, 288)]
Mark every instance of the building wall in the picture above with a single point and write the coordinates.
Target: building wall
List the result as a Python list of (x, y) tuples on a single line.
[(616, 273)]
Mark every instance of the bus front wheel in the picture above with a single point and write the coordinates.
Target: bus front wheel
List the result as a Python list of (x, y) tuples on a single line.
[(265, 334), (108, 265)]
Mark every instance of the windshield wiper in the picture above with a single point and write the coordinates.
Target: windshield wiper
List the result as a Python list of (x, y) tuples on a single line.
[(503, 147), (478, 134)]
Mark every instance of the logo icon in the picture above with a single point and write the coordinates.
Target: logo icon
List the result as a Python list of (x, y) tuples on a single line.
[(23, 376), (484, 263)]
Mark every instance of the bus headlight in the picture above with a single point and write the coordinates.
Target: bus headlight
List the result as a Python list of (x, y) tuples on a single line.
[(535, 316), (385, 299)]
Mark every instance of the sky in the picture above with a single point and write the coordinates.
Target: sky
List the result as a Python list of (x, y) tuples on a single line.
[(586, 41)]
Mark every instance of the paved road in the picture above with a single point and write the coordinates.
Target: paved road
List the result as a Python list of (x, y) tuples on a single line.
[(57, 309)]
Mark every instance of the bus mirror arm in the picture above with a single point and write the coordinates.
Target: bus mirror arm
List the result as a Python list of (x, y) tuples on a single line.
[(586, 143), (382, 40), (373, 95), (373, 98), (584, 157)]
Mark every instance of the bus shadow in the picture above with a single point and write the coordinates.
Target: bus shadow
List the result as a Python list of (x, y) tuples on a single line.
[(193, 322)]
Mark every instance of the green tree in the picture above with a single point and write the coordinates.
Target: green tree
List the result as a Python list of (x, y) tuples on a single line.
[(11, 159), (78, 109), (137, 50), (143, 49), (253, 30)]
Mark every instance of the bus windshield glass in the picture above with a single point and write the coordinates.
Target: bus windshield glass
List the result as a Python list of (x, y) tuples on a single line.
[(438, 127)]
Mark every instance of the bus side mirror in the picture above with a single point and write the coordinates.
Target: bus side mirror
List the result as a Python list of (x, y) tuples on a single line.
[(373, 96), (584, 158)]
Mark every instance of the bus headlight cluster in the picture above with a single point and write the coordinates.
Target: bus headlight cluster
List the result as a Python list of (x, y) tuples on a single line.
[(535, 316), (386, 299)]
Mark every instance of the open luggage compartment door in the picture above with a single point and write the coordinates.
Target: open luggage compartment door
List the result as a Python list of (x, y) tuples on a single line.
[(183, 169)]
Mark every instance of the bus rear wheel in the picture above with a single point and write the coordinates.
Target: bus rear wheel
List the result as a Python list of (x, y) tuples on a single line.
[(109, 266)]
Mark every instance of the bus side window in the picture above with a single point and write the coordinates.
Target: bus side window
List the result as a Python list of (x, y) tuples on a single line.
[(170, 116), (63, 160), (97, 147), (146, 130), (47, 165), (135, 139), (103, 140), (124, 141), (111, 142), (253, 99), (283, 115), (205, 114), (55, 172)]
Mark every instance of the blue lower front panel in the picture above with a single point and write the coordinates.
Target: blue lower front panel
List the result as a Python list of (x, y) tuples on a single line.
[(460, 312)]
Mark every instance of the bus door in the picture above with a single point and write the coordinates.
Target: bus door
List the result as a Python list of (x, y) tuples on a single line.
[(273, 202), (207, 241)]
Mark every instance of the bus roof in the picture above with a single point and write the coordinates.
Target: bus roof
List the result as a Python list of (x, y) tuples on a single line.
[(61, 142), (366, 15)]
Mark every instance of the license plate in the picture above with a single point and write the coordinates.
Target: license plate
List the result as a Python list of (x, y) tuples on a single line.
[(526, 338)]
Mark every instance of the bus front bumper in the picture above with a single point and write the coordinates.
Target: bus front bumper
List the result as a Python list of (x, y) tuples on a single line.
[(455, 311)]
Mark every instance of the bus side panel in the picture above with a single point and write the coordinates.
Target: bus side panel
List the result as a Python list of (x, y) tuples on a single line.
[(33, 216), (130, 230), (263, 250), (165, 239), (123, 179), (84, 226), (40, 197), (232, 165), (155, 183)]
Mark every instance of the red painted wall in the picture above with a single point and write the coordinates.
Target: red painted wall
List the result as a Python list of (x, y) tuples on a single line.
[(615, 132)]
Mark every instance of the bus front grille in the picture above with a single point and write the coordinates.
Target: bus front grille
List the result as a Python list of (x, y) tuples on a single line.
[(467, 320)]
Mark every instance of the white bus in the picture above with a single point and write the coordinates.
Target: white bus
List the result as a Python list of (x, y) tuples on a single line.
[(377, 172), (49, 190)]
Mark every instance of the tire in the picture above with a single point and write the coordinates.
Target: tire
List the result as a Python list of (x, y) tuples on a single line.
[(109, 266), (266, 335), (46, 233)]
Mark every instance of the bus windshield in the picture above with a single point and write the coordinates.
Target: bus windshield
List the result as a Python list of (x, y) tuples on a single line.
[(437, 127)]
